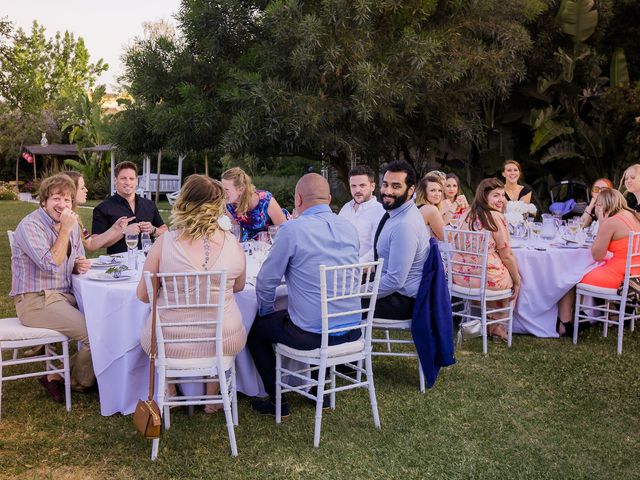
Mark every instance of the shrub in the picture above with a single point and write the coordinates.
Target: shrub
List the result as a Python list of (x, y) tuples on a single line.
[(282, 188), (7, 192)]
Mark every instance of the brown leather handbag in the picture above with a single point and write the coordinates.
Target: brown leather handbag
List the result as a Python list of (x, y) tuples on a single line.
[(147, 418)]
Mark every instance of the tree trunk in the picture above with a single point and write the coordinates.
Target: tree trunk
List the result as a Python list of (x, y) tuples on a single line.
[(158, 175)]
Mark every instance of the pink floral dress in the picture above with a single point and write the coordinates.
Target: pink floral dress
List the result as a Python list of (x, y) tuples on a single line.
[(498, 277)]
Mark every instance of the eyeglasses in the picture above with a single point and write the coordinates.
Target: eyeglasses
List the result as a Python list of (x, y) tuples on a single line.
[(596, 189)]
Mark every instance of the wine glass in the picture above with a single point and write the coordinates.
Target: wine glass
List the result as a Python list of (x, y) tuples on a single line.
[(273, 231), (536, 230), (131, 239), (573, 228), (145, 241), (236, 230)]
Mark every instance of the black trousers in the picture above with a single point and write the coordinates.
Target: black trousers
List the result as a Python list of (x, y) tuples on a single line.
[(394, 307), (277, 327)]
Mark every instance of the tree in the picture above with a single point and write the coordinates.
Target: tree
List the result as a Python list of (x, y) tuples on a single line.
[(37, 72)]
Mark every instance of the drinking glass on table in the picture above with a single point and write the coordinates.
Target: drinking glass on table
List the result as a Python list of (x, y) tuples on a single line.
[(236, 230), (273, 230), (145, 241), (573, 228), (536, 230), (131, 239)]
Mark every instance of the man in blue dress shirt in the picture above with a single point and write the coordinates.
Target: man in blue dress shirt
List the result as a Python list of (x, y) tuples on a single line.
[(402, 240), (317, 237)]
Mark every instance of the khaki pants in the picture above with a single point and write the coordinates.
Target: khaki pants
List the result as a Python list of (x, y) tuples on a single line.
[(58, 311)]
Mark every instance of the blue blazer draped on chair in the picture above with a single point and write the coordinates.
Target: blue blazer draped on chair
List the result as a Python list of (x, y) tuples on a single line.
[(432, 325)]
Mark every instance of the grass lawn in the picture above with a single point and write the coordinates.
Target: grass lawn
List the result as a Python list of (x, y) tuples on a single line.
[(542, 409)]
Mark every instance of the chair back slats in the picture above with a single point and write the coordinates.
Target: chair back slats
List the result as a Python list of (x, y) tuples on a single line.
[(468, 250), (632, 267), (342, 289), (199, 308)]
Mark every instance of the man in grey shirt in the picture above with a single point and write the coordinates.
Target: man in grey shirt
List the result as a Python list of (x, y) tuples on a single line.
[(402, 240)]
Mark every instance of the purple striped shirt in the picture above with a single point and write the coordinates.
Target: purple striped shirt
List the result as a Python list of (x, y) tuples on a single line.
[(32, 266)]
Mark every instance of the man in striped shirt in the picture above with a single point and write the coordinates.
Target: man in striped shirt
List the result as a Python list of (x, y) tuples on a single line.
[(47, 249)]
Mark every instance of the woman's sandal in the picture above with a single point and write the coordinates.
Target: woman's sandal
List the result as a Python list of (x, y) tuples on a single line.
[(568, 328), (498, 332)]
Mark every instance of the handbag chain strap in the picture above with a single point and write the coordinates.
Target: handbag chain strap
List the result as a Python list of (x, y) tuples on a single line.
[(153, 352)]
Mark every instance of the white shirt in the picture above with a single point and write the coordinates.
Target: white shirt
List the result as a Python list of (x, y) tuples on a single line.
[(366, 219)]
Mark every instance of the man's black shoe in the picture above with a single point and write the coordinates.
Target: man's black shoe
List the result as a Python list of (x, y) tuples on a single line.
[(267, 407)]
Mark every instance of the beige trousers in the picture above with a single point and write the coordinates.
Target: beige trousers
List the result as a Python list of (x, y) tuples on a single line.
[(58, 311)]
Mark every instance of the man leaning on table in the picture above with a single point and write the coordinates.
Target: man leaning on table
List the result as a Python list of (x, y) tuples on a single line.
[(47, 249), (126, 203), (364, 210), (402, 240), (317, 237)]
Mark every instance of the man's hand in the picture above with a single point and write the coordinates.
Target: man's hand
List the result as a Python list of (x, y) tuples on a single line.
[(82, 265), (145, 227), (68, 220), (134, 228)]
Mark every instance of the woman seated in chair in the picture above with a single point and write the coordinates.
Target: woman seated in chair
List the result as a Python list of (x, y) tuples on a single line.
[(200, 242), (485, 213), (512, 173), (429, 200), (94, 242), (254, 210), (458, 202), (589, 213), (616, 221), (631, 183)]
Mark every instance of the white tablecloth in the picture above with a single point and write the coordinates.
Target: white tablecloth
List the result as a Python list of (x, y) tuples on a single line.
[(546, 276), (115, 317)]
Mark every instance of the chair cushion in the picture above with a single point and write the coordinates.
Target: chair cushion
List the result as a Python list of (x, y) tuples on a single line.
[(12, 329), (197, 363), (475, 292), (593, 289), (388, 323), (332, 351)]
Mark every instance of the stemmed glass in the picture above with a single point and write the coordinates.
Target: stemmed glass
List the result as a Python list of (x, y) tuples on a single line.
[(145, 241), (536, 230), (236, 230), (273, 231), (131, 239)]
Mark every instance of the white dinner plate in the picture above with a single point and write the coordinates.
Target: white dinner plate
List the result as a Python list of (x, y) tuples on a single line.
[(107, 277)]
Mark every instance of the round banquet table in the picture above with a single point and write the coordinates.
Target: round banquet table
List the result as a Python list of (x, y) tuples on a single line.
[(115, 317), (546, 276)]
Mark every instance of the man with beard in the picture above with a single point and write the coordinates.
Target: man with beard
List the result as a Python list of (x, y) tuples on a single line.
[(364, 211), (402, 240), (47, 249)]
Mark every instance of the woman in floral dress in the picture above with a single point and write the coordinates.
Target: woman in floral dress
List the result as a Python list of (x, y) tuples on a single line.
[(502, 271)]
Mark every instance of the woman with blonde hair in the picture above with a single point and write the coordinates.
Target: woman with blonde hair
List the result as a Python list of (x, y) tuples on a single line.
[(429, 200), (616, 221), (254, 210), (200, 242), (512, 173), (631, 182), (96, 241)]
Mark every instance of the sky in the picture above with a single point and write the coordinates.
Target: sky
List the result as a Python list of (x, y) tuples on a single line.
[(107, 27)]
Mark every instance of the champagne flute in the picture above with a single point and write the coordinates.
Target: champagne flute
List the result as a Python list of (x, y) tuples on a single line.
[(131, 239), (145, 240)]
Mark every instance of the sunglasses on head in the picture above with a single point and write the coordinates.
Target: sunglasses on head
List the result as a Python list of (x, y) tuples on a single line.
[(595, 189)]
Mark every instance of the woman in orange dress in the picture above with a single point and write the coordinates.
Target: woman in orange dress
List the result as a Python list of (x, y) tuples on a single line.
[(485, 213), (616, 221)]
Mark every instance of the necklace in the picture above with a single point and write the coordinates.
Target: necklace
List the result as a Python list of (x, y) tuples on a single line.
[(207, 252)]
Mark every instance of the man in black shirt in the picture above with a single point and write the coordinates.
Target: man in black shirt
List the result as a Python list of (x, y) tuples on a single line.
[(126, 203)]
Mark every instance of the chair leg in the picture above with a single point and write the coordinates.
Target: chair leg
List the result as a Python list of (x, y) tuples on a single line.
[(421, 375), (386, 335), (15, 353), (67, 375), (372, 390), (155, 443), (483, 320), (605, 328), (1, 377), (319, 400), (278, 388), (224, 389), (333, 385), (359, 372), (234, 395), (621, 316), (576, 317), (510, 326)]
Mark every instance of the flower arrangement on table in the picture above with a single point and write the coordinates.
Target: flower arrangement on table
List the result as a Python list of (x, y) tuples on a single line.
[(516, 211)]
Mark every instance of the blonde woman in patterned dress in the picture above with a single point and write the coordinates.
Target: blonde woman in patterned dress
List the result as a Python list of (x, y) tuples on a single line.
[(502, 271), (200, 242)]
